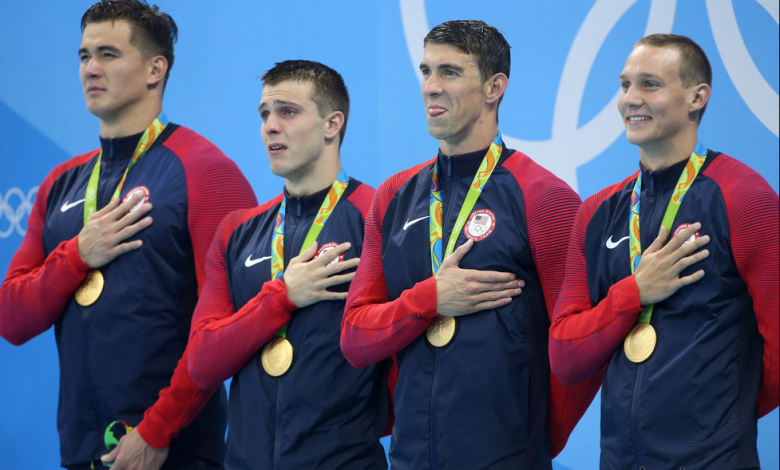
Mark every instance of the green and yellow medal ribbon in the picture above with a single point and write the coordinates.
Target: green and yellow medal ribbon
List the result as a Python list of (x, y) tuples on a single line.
[(147, 139), (684, 183), (324, 212), (486, 168)]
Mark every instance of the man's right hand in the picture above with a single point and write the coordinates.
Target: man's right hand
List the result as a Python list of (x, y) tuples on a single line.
[(658, 274), (465, 291), (307, 280), (104, 236)]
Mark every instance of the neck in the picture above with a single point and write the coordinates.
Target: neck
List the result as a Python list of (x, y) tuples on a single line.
[(665, 154), (130, 121), (477, 138), (317, 177)]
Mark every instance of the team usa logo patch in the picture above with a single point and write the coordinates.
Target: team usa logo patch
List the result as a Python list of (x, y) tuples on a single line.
[(480, 224), (138, 189), (327, 247), (682, 227)]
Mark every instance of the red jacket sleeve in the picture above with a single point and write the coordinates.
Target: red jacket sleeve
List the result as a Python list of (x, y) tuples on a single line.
[(25, 311), (550, 208), (583, 338), (222, 340), (215, 187), (374, 328), (752, 209)]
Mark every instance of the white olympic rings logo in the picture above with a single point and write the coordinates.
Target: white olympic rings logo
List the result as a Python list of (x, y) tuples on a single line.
[(599, 133), (15, 206)]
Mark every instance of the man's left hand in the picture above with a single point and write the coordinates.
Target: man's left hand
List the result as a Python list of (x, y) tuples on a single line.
[(133, 453)]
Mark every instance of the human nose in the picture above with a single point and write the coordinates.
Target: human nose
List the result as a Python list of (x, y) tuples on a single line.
[(631, 96), (92, 68), (271, 124), (431, 85)]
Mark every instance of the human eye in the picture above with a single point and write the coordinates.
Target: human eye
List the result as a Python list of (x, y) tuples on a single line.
[(625, 85), (425, 71), (449, 73), (651, 85), (264, 114), (288, 112)]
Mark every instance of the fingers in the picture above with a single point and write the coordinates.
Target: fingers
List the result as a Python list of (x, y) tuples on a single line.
[(131, 230), (490, 296), (678, 240), (455, 258), (684, 281), (328, 256), (487, 276), (112, 204), (119, 211), (336, 280), (341, 266), (659, 241)]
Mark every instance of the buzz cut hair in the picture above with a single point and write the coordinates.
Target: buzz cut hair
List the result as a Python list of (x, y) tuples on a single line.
[(330, 93), (694, 67)]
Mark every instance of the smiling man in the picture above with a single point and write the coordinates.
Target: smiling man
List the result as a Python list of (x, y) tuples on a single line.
[(114, 256), (687, 328), (278, 275), (474, 387)]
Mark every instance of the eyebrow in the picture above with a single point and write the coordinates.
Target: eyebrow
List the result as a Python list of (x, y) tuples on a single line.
[(101, 49), (454, 67), (278, 103)]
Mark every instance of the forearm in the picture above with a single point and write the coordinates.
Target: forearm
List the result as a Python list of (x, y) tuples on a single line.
[(222, 342), (375, 328), (34, 295), (584, 338)]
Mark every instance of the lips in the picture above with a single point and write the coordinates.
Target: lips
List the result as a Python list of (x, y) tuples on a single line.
[(633, 119), (435, 110), (275, 148)]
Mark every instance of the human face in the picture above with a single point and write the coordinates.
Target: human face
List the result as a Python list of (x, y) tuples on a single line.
[(113, 72), (293, 130), (454, 95), (654, 105)]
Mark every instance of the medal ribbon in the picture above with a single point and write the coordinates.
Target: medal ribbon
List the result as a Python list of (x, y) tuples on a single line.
[(480, 180), (685, 181), (147, 139), (277, 241)]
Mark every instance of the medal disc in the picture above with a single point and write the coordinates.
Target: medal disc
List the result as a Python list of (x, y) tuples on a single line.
[(90, 288), (440, 331), (640, 342), (277, 356)]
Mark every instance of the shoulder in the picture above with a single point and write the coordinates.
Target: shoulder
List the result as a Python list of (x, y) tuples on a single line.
[(390, 187), (360, 196), (64, 168), (238, 217), (532, 176), (735, 179), (197, 154)]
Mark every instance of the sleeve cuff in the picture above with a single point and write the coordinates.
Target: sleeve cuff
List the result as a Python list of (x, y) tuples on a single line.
[(73, 256)]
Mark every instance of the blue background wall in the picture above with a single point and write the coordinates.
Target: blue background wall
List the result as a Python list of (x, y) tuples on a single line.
[(560, 108)]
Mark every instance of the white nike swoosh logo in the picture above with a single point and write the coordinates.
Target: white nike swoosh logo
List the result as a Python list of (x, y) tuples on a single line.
[(70, 205), (251, 262), (412, 222), (612, 245)]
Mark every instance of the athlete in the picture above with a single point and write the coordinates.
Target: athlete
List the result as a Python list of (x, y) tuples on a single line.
[(672, 282), (474, 388), (277, 279), (114, 254)]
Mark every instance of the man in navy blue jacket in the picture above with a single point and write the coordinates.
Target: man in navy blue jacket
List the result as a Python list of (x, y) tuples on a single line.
[(114, 253), (474, 387), (672, 283), (277, 278)]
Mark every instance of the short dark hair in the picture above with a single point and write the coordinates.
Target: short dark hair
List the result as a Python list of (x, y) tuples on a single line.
[(694, 66), (330, 93), (477, 38), (153, 32)]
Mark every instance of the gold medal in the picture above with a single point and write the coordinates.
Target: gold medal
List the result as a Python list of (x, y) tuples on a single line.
[(440, 331), (640, 342), (90, 288), (277, 356)]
